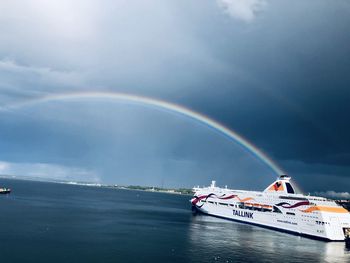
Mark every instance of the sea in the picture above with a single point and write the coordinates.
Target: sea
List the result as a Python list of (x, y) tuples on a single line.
[(51, 222)]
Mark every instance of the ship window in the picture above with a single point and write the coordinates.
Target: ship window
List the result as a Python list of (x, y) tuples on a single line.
[(290, 189), (276, 209), (223, 204), (211, 202), (289, 213)]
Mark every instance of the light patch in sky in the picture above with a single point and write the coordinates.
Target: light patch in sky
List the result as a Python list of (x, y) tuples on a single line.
[(245, 10), (68, 19), (48, 171)]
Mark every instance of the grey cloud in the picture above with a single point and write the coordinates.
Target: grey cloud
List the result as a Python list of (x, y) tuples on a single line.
[(20, 82), (44, 75), (245, 10), (333, 194)]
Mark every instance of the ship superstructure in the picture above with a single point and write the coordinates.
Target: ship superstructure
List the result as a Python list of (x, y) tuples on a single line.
[(278, 207)]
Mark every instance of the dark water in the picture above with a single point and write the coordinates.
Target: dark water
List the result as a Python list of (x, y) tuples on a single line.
[(47, 222)]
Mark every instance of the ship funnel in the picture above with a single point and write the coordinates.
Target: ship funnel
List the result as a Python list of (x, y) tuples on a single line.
[(284, 177), (212, 184), (281, 185)]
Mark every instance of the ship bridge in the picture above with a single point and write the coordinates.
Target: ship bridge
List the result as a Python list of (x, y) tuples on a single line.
[(281, 185)]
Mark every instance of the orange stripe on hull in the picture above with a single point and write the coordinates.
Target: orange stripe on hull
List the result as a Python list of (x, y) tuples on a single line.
[(325, 209), (245, 199)]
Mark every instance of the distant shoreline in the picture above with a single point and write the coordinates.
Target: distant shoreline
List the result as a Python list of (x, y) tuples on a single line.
[(178, 191)]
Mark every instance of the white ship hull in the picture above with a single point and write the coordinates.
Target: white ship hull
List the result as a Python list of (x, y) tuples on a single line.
[(310, 216)]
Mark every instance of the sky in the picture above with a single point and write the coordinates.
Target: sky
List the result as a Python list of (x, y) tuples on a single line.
[(275, 72)]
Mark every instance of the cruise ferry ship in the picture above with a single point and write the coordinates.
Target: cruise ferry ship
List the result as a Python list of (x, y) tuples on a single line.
[(277, 207)]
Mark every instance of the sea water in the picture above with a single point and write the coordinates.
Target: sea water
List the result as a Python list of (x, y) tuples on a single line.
[(51, 222)]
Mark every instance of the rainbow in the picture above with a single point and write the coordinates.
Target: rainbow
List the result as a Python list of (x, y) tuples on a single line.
[(160, 104)]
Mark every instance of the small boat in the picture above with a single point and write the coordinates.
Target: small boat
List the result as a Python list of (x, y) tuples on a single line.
[(5, 190)]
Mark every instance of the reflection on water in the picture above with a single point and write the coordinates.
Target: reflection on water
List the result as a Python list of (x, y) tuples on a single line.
[(215, 239)]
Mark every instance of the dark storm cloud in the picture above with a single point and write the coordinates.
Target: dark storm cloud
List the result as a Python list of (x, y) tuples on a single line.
[(293, 99)]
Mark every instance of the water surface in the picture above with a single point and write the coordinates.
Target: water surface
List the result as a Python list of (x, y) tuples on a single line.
[(48, 222)]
